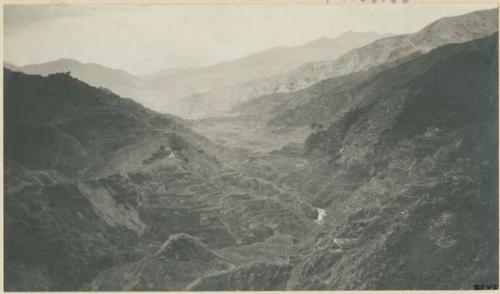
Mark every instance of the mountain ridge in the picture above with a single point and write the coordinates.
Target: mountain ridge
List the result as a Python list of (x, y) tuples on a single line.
[(462, 28), (160, 90)]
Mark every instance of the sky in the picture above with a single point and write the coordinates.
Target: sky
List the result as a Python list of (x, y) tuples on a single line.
[(145, 39)]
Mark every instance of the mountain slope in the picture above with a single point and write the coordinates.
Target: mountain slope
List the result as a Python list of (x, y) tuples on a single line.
[(69, 212), (412, 176), (118, 81), (456, 29), (45, 150), (321, 103), (94, 184), (267, 63), (159, 90), (72, 114)]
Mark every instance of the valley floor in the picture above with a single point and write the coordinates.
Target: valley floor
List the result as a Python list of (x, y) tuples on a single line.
[(249, 136)]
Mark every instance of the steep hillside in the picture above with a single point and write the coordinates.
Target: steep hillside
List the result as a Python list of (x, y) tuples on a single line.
[(411, 184), (94, 184), (406, 182), (321, 103), (73, 124), (447, 30), (457, 29), (68, 213)]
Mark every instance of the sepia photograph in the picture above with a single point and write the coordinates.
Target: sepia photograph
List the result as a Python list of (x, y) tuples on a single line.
[(253, 147)]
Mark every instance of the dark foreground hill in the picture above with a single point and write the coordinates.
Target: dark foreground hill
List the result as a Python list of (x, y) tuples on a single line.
[(95, 184), (72, 124), (66, 219)]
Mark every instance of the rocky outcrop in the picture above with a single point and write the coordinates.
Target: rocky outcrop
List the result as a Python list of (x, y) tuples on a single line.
[(111, 212)]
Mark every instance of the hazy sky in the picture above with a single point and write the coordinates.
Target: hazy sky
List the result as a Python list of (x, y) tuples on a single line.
[(142, 39)]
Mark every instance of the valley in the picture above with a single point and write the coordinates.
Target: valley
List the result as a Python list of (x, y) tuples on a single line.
[(374, 170), (249, 135)]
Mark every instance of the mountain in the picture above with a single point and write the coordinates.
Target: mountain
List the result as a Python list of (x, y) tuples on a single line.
[(448, 30), (321, 103), (405, 182), (170, 88), (283, 59), (396, 187), (410, 175), (75, 115), (160, 90), (457, 29), (118, 81), (70, 211), (96, 185)]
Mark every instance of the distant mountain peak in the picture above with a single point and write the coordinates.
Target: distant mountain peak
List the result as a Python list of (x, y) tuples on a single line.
[(61, 61), (323, 41), (65, 59), (351, 32)]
